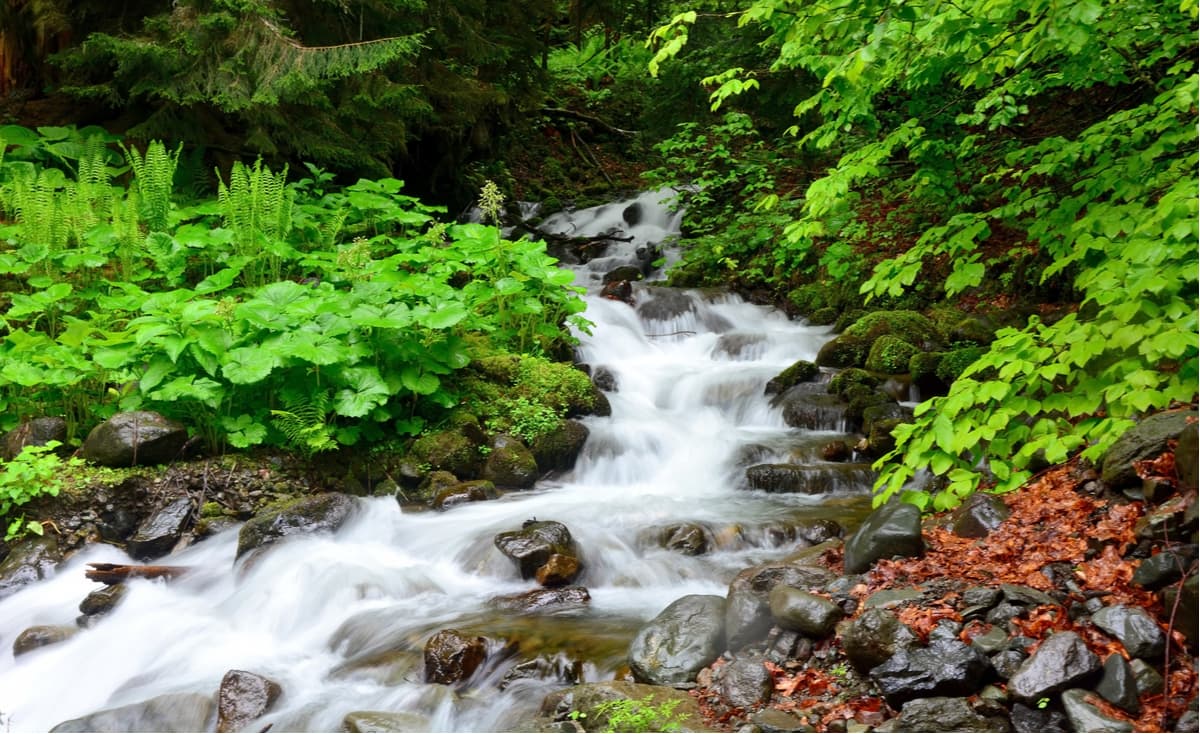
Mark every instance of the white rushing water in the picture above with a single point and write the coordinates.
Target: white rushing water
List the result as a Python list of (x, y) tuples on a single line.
[(339, 621)]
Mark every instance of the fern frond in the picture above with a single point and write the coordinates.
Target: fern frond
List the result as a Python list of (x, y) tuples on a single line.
[(305, 424)]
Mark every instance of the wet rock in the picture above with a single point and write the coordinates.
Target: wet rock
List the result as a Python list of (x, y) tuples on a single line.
[(560, 669), (875, 636), (808, 406), (684, 638), (1118, 686), (844, 350), (533, 545), (242, 698), (1029, 720), (803, 612), (313, 514), (991, 642), (944, 668), (479, 490), (450, 451), (744, 682), (587, 697), (1062, 661), (802, 371), (946, 714), (665, 304), (41, 635), (558, 570), (748, 610), (1147, 678), (891, 530), (183, 712), (37, 432), (618, 290), (836, 451), (806, 479), (159, 533), (103, 601), (604, 379), (890, 355), (510, 463), (137, 438), (452, 657), (688, 539), (1136, 630), (1025, 596), (384, 721), (1187, 456), (1085, 716), (819, 531), (558, 449), (773, 720), (1146, 440), (543, 600), (625, 272), (979, 515), (739, 345), (982, 596), (1003, 613), (1164, 568), (888, 598), (32, 559)]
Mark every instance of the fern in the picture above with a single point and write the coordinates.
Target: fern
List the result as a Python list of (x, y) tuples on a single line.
[(305, 424), (257, 206), (154, 174)]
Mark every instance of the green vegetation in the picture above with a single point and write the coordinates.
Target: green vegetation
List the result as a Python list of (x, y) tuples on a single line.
[(35, 472), (627, 714)]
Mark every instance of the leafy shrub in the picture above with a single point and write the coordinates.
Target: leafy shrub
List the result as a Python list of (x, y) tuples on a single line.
[(35, 472)]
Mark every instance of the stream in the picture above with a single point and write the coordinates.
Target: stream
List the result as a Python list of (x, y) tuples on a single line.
[(339, 621)]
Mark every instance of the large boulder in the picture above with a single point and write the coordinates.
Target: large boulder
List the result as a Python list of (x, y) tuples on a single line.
[(450, 451), (1062, 661), (807, 479), (510, 463), (891, 530), (37, 432), (1086, 716), (137, 438), (804, 612), (452, 657), (748, 611), (557, 450), (1146, 440), (802, 371), (1119, 685), (32, 559), (173, 712), (535, 544), (242, 698), (159, 532), (32, 638), (744, 682), (875, 636), (682, 640), (946, 714), (979, 515), (890, 355), (945, 668), (808, 406), (313, 514), (1137, 630)]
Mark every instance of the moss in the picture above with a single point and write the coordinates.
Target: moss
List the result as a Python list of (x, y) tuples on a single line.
[(847, 350), (953, 363), (910, 326), (848, 318), (448, 451), (808, 298), (861, 397), (802, 371), (890, 354), (924, 364), (210, 510), (823, 316), (843, 381)]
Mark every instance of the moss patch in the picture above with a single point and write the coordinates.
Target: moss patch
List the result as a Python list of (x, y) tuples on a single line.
[(890, 354)]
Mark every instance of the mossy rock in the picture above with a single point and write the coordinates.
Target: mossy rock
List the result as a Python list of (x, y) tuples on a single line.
[(802, 371), (924, 364), (558, 450), (978, 329), (848, 318), (890, 355), (808, 298), (861, 397), (953, 363), (823, 316), (910, 326), (449, 451), (510, 463), (846, 350), (301, 516), (879, 439), (848, 378)]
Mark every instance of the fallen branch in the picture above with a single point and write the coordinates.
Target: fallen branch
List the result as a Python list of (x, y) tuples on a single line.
[(563, 112), (114, 573)]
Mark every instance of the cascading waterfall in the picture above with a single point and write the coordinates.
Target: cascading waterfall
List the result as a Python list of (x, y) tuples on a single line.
[(339, 621)]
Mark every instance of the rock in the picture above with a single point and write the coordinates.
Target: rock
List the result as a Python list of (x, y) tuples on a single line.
[(890, 354), (748, 611), (604, 379), (1085, 716), (312, 514), (888, 598), (739, 345), (1146, 440), (560, 669), (625, 272), (1062, 661), (836, 451), (688, 539), (478, 490), (991, 642), (558, 570), (558, 449), (946, 714), (365, 722), (138, 438), (811, 615), (875, 636), (744, 682), (533, 545), (510, 463), (159, 533), (979, 515), (242, 698), (450, 451), (1025, 596), (1190, 720), (891, 530), (186, 712), (809, 479), (1147, 678), (808, 406), (452, 657), (844, 350), (1136, 630), (37, 432), (1187, 456), (103, 601), (666, 304), (819, 531), (773, 720), (802, 371), (587, 697), (1164, 568), (1119, 686), (32, 559), (944, 668), (543, 600), (41, 635), (618, 290), (684, 638), (1034, 720)]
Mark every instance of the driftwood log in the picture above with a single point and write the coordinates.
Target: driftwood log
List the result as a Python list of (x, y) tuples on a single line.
[(115, 573)]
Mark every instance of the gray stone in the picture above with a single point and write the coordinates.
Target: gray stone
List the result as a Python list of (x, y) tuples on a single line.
[(739, 345), (983, 596), (313, 514), (604, 379), (803, 612), (137, 438), (1062, 661), (535, 543), (1025, 595), (991, 642), (945, 668), (543, 600), (1004, 612), (1119, 685), (41, 635), (452, 657), (242, 698), (1187, 456), (1164, 568), (808, 406), (1007, 662), (37, 432), (1190, 720), (478, 490), (1030, 720), (683, 639), (744, 682), (510, 463), (182, 712), (979, 515), (1086, 717), (1183, 599), (891, 530), (773, 720), (103, 601), (371, 722), (159, 533), (946, 714), (808, 479), (873, 637), (1136, 630), (1146, 440), (748, 611), (888, 598), (560, 669), (688, 538), (30, 560), (1147, 678)]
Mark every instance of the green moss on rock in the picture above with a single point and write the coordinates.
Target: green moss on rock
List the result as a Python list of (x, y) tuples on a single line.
[(843, 381), (953, 363), (924, 364), (890, 354), (447, 451), (802, 371), (823, 316), (910, 326), (846, 350)]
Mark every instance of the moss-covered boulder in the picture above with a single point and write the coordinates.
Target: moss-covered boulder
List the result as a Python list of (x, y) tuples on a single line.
[(557, 450), (802, 371), (910, 326), (952, 364), (448, 450), (845, 350), (880, 440), (923, 365), (313, 514), (510, 463), (843, 381), (890, 354)]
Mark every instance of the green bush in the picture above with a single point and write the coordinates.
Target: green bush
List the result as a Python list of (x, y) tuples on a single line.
[(35, 472)]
